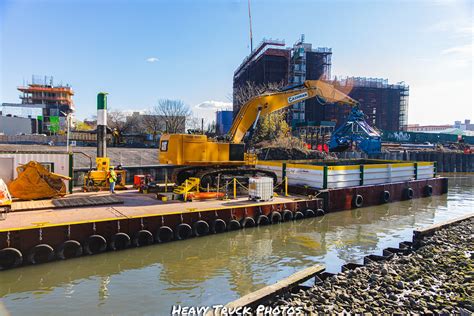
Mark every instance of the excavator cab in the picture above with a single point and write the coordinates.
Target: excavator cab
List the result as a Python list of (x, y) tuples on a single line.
[(192, 149)]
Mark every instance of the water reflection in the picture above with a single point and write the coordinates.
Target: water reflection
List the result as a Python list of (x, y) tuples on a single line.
[(219, 268)]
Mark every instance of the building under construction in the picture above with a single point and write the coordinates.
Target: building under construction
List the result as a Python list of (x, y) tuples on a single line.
[(307, 63), (268, 63), (386, 105), (55, 102)]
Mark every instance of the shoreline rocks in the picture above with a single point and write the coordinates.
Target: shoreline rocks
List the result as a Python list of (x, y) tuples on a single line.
[(437, 278)]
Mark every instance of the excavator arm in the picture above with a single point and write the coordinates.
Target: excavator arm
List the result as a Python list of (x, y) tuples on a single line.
[(265, 104)]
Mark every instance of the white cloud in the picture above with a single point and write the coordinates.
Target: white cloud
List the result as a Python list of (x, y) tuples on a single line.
[(459, 28), (214, 105), (468, 29), (152, 59), (461, 50)]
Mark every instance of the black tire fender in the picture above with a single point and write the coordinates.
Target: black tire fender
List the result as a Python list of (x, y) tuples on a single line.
[(143, 238), (358, 200), (200, 228), (428, 190), (120, 241), (164, 234), (233, 225), (263, 220), (409, 193), (10, 258), (309, 213), (386, 196), (183, 231), (41, 253), (218, 226), (298, 215), (95, 244), (275, 217), (320, 212), (287, 215), (69, 249), (248, 222)]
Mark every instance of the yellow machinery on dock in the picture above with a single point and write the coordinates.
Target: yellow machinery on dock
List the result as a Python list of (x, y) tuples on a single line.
[(35, 182), (97, 180), (198, 156)]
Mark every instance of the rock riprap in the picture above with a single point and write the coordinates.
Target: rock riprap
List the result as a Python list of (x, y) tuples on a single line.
[(437, 278)]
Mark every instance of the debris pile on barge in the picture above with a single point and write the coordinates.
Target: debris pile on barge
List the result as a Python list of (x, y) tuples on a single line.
[(437, 278)]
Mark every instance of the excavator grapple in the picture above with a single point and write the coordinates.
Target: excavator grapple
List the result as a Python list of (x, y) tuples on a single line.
[(35, 182)]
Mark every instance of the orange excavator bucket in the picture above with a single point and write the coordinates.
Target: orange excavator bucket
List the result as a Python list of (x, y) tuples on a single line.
[(35, 182)]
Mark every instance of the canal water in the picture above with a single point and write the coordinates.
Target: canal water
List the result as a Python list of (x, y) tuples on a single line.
[(220, 268)]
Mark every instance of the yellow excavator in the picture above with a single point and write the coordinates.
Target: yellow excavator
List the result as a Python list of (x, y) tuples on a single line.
[(208, 160)]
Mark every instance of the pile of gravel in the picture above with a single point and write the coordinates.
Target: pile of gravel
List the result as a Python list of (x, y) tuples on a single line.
[(436, 278)]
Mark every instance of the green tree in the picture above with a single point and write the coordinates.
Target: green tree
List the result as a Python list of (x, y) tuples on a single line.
[(271, 128), (81, 126)]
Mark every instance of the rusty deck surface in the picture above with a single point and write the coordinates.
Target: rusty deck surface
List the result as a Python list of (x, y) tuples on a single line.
[(134, 205), (76, 201)]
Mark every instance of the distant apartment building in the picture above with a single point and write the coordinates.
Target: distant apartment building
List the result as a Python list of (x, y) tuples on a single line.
[(386, 105), (427, 128), (12, 125), (149, 123), (466, 126), (54, 102)]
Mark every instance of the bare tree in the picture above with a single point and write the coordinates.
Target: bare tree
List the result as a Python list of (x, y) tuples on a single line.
[(120, 123), (193, 125), (271, 127), (174, 113), (249, 90), (153, 123)]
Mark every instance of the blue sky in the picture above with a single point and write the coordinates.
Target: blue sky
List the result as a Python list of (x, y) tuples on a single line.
[(141, 51)]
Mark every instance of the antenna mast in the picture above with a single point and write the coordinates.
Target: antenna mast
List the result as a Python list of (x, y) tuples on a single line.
[(250, 22)]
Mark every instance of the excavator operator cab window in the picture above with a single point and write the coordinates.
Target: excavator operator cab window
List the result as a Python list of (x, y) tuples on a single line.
[(164, 145)]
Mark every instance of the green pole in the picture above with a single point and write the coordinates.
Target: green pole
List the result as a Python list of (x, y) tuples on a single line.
[(325, 177)]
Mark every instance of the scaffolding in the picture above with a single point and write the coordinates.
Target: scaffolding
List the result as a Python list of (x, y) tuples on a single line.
[(307, 63), (385, 104), (55, 101)]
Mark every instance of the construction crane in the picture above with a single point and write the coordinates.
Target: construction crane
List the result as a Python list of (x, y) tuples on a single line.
[(208, 160)]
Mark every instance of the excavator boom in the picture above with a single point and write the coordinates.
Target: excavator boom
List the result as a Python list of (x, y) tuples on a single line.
[(210, 160), (268, 103)]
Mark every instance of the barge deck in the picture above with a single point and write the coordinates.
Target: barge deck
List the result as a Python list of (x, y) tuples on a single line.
[(38, 236)]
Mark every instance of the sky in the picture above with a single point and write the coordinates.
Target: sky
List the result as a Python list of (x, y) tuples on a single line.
[(142, 51)]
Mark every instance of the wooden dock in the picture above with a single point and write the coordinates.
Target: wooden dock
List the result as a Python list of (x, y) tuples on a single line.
[(262, 296)]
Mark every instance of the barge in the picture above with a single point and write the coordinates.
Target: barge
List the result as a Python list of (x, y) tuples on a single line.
[(66, 230)]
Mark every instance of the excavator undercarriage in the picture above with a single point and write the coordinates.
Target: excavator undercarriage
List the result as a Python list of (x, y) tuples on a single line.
[(215, 176)]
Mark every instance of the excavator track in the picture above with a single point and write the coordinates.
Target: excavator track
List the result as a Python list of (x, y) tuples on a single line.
[(212, 175)]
